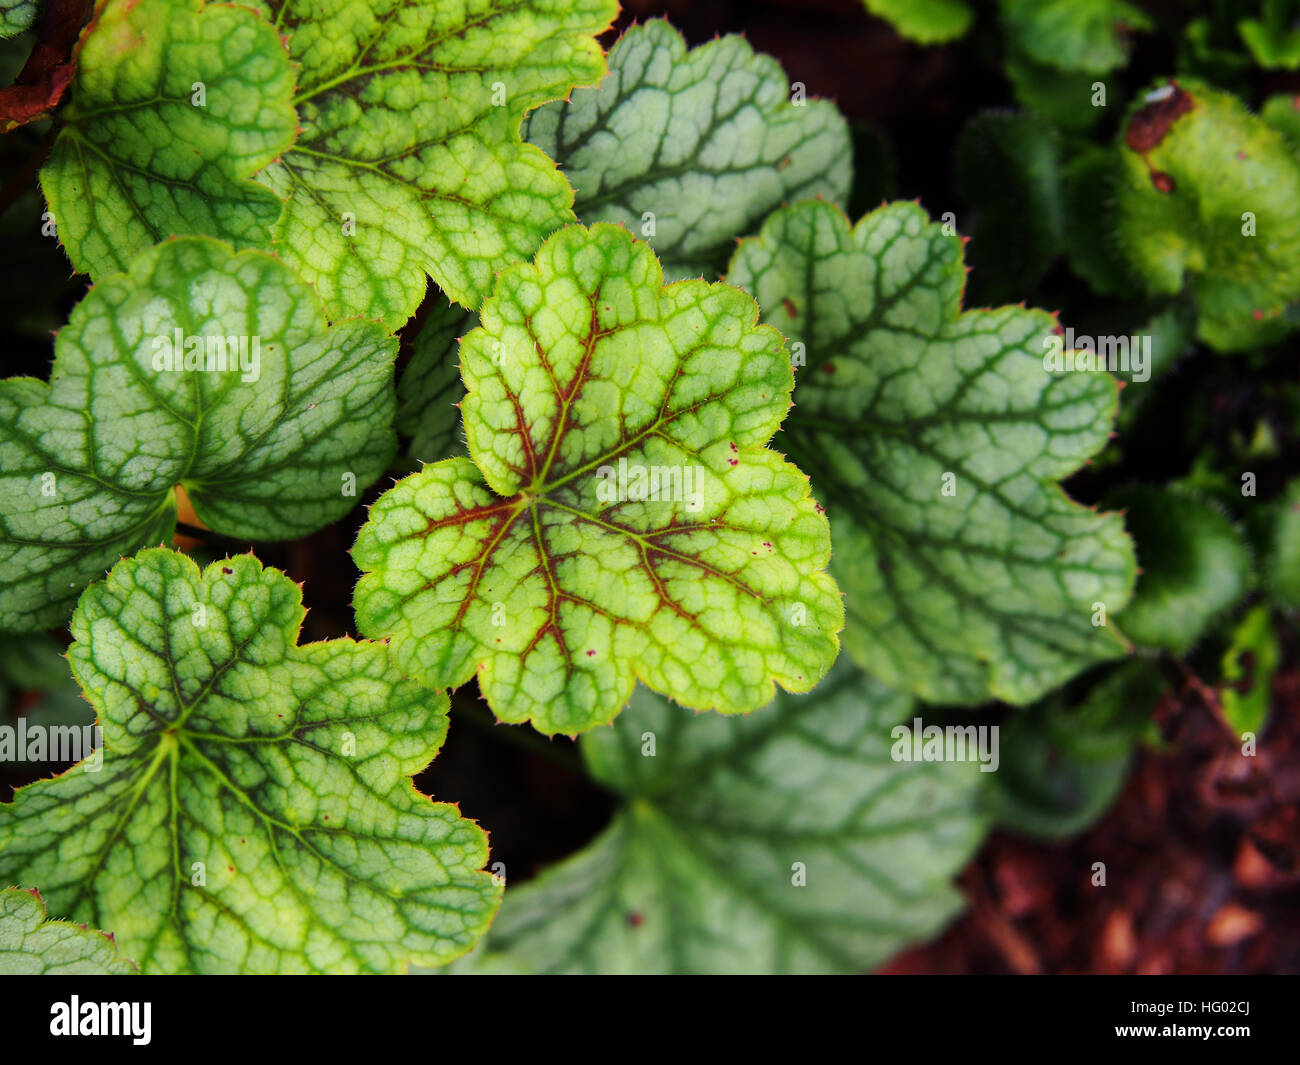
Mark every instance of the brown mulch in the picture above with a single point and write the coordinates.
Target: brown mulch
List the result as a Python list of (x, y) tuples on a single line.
[(1202, 857)]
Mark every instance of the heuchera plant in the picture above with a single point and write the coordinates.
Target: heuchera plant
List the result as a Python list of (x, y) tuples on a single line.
[(663, 449)]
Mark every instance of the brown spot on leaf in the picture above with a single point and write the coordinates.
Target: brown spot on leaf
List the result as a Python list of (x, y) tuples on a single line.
[(789, 306), (1247, 662), (1150, 124), (634, 919), (1162, 181)]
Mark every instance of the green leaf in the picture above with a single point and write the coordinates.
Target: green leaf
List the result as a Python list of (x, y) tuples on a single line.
[(924, 21), (33, 661), (31, 945), (1091, 235), (1064, 97), (936, 437), (1085, 35), (1274, 40), (698, 871), (138, 160), (90, 461), (692, 149), (550, 562), (1248, 667), (1008, 168), (430, 391), (1282, 112), (1206, 198), (16, 16), (707, 141), (1063, 765), (253, 810), (1210, 52), (1195, 565), (1283, 567), (410, 160), (35, 684)]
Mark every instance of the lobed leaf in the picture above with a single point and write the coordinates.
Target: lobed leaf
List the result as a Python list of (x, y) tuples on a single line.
[(1204, 199), (253, 809), (31, 945), (692, 148), (550, 562), (275, 450), (700, 870), (410, 160), (175, 105), (936, 437)]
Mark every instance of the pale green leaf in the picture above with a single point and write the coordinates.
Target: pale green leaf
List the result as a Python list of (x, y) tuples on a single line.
[(253, 810), (549, 562), (31, 945), (16, 16), (691, 149), (143, 156), (272, 448), (699, 871), (936, 438), (410, 160)]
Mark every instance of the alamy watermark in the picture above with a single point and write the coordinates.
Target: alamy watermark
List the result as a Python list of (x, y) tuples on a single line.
[(633, 482), (951, 743), (53, 743), (77, 1018), (211, 354), (1115, 354)]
